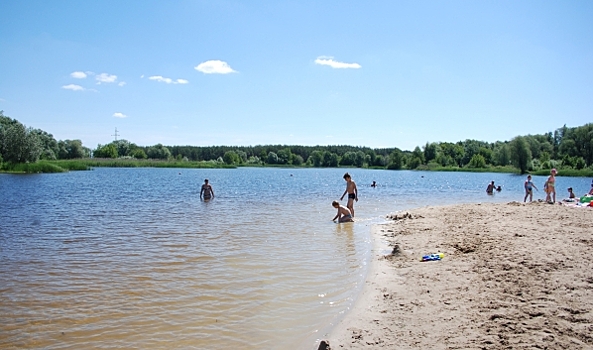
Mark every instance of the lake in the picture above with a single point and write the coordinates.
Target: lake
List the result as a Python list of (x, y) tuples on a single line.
[(131, 258)]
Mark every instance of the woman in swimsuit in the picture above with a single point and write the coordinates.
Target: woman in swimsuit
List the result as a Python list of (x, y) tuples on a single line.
[(207, 191), (529, 186), (551, 187)]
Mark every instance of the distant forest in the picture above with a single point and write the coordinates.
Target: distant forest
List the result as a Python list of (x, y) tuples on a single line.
[(565, 148)]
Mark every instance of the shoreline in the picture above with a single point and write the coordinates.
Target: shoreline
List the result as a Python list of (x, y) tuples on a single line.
[(513, 275)]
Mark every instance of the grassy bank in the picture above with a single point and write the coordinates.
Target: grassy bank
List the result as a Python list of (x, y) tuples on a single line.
[(58, 166)]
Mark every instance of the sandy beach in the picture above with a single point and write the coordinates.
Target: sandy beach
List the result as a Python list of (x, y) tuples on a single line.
[(514, 275)]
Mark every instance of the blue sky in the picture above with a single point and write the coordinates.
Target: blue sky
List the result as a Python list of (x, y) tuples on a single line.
[(361, 73)]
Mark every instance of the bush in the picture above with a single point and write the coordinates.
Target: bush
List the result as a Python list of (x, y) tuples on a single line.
[(477, 161)]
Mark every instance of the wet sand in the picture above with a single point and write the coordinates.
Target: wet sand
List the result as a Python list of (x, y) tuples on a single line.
[(514, 275)]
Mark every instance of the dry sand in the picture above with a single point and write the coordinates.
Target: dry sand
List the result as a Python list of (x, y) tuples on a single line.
[(514, 276)]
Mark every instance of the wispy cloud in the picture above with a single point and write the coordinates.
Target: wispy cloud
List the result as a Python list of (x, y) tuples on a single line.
[(78, 75), (121, 83), (106, 78), (73, 87), (329, 61), (119, 115), (214, 67), (167, 80)]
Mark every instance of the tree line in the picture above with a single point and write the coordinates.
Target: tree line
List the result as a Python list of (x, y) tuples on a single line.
[(566, 147)]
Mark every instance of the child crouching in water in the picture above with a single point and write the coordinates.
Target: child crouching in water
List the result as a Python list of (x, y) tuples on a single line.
[(344, 214)]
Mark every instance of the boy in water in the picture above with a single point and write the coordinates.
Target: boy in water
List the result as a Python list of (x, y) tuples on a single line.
[(352, 192), (207, 191), (343, 214)]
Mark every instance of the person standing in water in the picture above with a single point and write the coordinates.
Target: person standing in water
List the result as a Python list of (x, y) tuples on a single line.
[(352, 192), (206, 191), (529, 186)]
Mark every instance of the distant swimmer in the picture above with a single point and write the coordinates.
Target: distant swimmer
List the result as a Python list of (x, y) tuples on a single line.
[(344, 214), (374, 184), (206, 191)]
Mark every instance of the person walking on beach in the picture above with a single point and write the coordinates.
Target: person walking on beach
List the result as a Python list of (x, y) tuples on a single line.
[(352, 192), (550, 187), (206, 191), (529, 186), (343, 215)]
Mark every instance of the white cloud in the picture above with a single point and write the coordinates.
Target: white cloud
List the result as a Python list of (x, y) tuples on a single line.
[(214, 67), (142, 76), (73, 87), (78, 75), (167, 80), (106, 78), (329, 61), (119, 115), (122, 83)]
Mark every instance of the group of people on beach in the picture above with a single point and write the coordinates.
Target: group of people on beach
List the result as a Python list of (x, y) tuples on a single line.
[(550, 189)]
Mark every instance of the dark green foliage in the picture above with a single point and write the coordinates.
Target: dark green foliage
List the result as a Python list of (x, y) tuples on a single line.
[(231, 158), (477, 161), (520, 153), (395, 160), (107, 151)]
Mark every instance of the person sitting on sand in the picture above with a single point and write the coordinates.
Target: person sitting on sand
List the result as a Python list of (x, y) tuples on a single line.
[(550, 187), (490, 188), (571, 196), (344, 214), (529, 186)]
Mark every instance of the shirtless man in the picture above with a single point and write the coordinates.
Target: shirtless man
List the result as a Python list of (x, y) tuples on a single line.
[(352, 192), (343, 214), (207, 191)]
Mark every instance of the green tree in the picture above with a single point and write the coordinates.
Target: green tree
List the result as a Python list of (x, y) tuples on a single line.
[(395, 160), (19, 144), (520, 153), (158, 151), (430, 152), (107, 151), (71, 149), (297, 160), (231, 157), (330, 159), (139, 153), (272, 158), (284, 156), (477, 161), (316, 158)]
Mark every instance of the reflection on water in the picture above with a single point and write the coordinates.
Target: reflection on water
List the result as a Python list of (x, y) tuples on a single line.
[(130, 258)]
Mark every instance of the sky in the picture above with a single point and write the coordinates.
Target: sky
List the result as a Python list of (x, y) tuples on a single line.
[(380, 74)]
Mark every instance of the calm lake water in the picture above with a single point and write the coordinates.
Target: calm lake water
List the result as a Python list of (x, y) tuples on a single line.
[(131, 258)]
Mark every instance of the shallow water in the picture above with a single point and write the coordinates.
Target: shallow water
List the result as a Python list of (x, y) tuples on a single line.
[(131, 258)]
